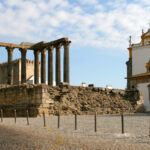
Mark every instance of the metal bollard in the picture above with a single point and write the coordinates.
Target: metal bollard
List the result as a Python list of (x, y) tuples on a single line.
[(44, 119), (1, 115), (122, 122), (75, 121), (58, 125), (27, 117), (95, 122), (15, 115)]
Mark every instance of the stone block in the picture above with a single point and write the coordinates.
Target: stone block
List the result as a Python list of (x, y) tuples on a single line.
[(91, 85), (63, 84)]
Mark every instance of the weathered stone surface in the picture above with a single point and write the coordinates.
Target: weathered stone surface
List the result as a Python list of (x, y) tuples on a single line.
[(80, 100), (16, 67), (91, 85)]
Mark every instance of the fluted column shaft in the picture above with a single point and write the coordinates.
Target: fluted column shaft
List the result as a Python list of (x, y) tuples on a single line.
[(10, 68), (58, 64), (66, 62), (23, 65), (43, 66), (36, 66), (50, 66)]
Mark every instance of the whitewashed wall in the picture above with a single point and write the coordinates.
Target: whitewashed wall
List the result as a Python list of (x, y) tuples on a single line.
[(143, 87), (140, 56)]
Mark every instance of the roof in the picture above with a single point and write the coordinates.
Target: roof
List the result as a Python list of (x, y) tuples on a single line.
[(146, 33), (147, 74), (145, 40)]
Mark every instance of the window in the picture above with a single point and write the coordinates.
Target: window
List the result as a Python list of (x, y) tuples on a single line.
[(149, 90), (148, 66)]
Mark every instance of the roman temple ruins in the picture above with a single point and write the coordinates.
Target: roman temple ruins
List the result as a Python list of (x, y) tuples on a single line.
[(38, 48), (19, 95)]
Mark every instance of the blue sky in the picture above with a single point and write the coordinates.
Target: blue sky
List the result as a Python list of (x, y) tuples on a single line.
[(98, 29)]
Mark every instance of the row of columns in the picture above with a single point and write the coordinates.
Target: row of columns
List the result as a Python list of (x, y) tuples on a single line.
[(23, 65), (50, 49), (66, 77)]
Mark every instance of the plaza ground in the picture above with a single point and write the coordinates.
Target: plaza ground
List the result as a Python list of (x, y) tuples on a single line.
[(108, 136)]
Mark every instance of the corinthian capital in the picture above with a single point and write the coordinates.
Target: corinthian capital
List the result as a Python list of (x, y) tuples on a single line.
[(58, 46), (10, 49), (43, 51), (50, 48), (67, 43)]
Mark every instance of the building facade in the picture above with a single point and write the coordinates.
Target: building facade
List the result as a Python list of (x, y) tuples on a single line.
[(16, 68), (138, 67)]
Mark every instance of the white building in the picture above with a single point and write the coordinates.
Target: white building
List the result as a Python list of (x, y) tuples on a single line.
[(138, 67), (31, 81), (109, 87), (84, 84)]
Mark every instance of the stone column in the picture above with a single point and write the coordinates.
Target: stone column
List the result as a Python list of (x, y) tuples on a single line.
[(36, 67), (50, 66), (43, 66), (10, 69), (58, 64), (66, 62), (23, 65)]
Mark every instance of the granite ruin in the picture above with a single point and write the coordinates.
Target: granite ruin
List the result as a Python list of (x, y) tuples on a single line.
[(42, 96)]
